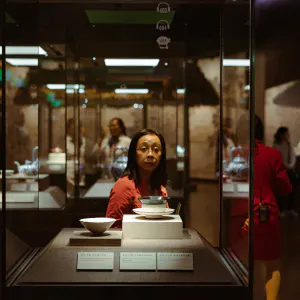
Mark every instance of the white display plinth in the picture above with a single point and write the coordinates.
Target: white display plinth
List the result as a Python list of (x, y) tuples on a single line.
[(138, 227)]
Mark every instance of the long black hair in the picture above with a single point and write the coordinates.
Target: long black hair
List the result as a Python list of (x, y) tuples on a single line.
[(279, 133), (259, 133), (159, 175)]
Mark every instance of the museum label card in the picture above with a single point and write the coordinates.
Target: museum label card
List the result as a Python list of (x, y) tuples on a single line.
[(175, 261), (137, 261), (95, 261)]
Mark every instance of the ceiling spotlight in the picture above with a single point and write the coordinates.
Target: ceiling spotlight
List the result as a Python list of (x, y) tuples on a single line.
[(94, 58), (166, 64)]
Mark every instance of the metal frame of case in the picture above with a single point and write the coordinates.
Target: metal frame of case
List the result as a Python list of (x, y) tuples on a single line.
[(77, 291)]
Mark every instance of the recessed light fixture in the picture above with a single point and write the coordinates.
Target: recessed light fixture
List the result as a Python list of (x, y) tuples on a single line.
[(63, 86), (24, 50), (25, 62), (94, 58), (166, 64), (131, 91), (236, 62), (115, 62), (56, 86), (72, 91), (180, 91)]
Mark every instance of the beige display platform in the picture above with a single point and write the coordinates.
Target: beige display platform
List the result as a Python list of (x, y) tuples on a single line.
[(138, 227), (57, 263)]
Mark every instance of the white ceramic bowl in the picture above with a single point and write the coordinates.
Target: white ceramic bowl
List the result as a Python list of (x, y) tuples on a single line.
[(97, 225)]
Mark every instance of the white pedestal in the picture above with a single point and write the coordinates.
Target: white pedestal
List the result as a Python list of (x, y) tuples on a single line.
[(137, 227)]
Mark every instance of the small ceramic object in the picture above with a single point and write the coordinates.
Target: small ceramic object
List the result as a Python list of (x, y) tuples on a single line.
[(97, 226)]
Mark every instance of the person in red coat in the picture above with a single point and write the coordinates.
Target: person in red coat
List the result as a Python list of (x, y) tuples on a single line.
[(145, 175), (270, 180)]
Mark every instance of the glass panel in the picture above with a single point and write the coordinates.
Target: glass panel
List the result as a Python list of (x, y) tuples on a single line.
[(23, 112), (2, 161), (236, 129), (74, 128)]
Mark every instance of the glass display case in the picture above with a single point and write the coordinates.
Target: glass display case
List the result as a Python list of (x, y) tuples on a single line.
[(74, 71)]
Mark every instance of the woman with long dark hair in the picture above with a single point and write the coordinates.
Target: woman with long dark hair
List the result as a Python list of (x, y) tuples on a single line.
[(145, 175)]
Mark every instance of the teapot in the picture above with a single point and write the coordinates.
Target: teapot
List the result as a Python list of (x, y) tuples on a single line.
[(238, 167), (119, 163), (30, 167)]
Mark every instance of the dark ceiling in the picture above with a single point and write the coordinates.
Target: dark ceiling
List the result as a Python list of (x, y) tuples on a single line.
[(194, 30), (79, 32)]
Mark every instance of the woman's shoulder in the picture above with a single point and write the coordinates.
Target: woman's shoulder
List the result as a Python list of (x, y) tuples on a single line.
[(270, 151), (125, 138), (124, 183)]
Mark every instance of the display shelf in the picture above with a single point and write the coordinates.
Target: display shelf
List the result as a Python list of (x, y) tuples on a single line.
[(57, 264)]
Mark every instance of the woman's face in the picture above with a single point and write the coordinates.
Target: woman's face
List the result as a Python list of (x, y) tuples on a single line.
[(115, 129), (148, 152)]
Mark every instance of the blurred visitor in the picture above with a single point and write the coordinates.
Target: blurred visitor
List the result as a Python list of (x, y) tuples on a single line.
[(76, 161), (105, 148), (270, 180), (283, 144)]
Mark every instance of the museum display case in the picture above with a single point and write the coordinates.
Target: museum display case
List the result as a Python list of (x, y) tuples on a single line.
[(179, 67)]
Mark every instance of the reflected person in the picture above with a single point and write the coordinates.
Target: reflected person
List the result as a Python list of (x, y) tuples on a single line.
[(283, 144), (118, 138), (270, 179), (72, 153), (145, 175)]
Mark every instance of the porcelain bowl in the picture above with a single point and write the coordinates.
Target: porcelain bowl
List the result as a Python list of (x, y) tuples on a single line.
[(154, 203), (97, 225)]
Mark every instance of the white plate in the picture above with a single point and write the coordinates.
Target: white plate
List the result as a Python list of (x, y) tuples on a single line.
[(153, 215)]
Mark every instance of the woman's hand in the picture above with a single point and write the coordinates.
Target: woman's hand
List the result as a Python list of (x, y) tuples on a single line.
[(246, 224)]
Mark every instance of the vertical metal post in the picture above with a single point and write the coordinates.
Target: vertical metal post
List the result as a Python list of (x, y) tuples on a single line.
[(3, 155), (252, 153), (222, 235)]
